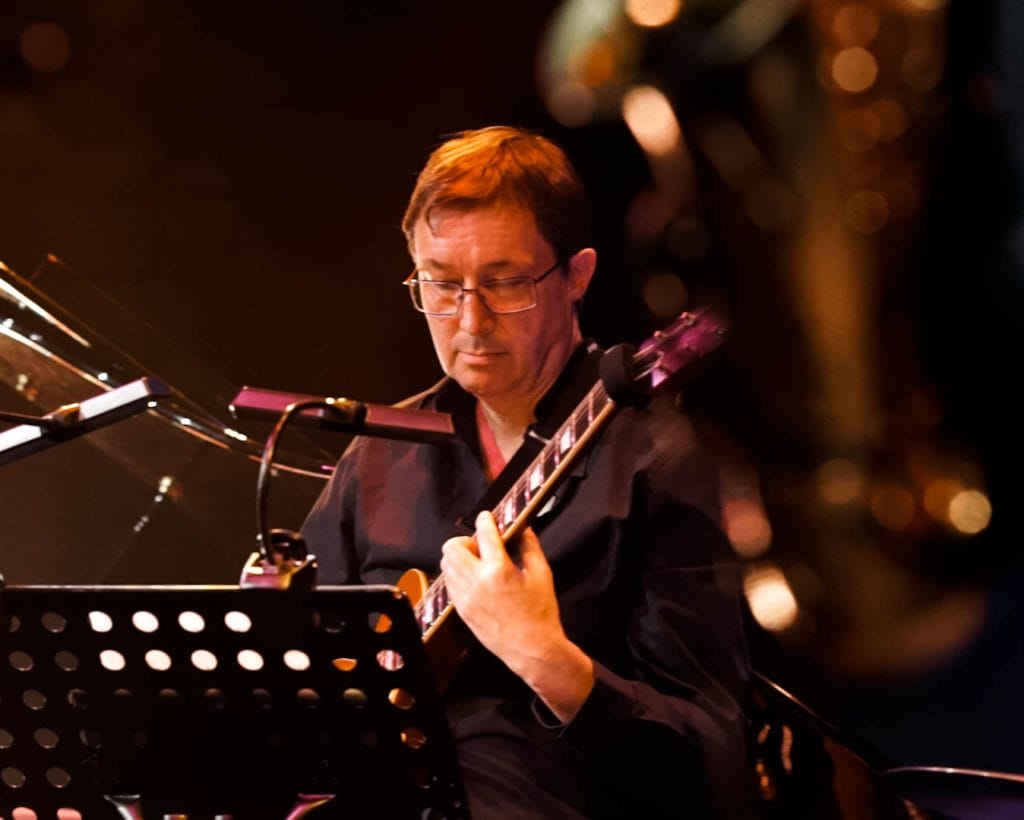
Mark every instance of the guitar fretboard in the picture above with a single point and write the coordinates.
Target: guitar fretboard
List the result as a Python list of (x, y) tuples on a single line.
[(533, 487)]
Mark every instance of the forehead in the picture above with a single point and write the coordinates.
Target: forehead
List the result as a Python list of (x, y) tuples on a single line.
[(478, 233)]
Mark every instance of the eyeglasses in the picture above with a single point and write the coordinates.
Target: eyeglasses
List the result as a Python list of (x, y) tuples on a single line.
[(512, 295)]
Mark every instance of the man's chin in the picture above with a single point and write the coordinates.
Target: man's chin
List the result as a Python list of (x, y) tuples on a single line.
[(481, 385)]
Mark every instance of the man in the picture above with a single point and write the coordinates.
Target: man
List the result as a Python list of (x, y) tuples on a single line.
[(610, 672)]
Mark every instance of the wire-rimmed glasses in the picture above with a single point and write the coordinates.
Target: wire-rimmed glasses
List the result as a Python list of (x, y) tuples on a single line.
[(440, 298)]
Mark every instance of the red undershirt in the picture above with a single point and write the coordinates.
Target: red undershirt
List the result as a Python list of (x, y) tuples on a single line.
[(494, 461)]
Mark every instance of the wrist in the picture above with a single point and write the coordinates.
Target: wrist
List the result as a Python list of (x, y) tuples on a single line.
[(563, 680)]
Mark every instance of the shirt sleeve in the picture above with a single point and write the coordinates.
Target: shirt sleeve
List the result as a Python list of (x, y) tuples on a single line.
[(674, 714)]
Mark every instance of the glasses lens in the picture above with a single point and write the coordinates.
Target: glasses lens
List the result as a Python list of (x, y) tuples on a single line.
[(437, 297), (509, 295)]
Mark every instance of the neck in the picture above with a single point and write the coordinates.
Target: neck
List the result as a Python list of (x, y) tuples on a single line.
[(508, 426), (509, 416)]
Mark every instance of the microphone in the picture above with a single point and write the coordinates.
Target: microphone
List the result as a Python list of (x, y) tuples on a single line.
[(346, 415)]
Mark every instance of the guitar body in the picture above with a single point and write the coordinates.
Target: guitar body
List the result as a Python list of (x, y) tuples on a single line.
[(444, 638)]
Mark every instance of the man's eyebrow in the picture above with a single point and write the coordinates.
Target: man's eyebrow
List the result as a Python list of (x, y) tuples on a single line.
[(497, 264)]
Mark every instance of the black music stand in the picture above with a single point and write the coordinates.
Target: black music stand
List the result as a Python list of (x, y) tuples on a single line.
[(220, 702)]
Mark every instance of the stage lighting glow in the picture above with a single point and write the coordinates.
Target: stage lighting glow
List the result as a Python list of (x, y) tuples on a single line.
[(970, 512), (653, 13), (770, 598), (650, 118), (854, 69)]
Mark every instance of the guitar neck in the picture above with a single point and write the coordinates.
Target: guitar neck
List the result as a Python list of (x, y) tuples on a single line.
[(651, 366), (534, 486)]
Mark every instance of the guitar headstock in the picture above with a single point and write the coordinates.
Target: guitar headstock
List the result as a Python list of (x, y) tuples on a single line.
[(669, 350)]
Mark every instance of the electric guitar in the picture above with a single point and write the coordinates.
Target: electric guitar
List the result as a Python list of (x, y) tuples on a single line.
[(628, 376)]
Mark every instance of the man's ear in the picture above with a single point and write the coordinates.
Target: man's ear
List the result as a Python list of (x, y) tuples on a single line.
[(581, 270)]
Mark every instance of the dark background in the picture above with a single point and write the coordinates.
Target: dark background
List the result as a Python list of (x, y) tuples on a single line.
[(234, 174)]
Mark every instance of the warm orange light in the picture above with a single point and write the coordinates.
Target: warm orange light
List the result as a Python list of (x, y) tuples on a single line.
[(650, 118), (596, 64), (653, 13), (747, 527), (938, 494), (854, 69), (770, 598), (855, 24), (970, 511)]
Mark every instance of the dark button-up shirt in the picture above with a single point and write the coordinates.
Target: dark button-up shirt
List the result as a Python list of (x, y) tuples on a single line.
[(646, 585)]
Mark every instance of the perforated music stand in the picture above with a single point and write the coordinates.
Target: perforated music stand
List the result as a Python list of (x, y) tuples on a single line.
[(220, 702)]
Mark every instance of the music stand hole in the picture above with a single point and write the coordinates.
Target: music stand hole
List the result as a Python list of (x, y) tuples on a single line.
[(6, 739), (237, 621), (308, 697), (33, 699), (401, 699), (296, 660), (204, 660), (53, 622), (112, 660), (46, 738), (100, 621), (331, 622), (390, 660), (169, 695), (21, 661), (15, 624), (191, 622), (262, 699), (78, 699), (145, 621), (12, 778), (66, 661), (90, 738), (379, 622), (57, 777), (216, 698), (354, 697), (158, 660), (368, 738), (414, 738), (345, 664), (250, 660)]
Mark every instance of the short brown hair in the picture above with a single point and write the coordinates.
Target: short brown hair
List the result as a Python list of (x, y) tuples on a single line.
[(502, 165)]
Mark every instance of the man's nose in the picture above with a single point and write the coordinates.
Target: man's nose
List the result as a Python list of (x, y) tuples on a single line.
[(474, 315)]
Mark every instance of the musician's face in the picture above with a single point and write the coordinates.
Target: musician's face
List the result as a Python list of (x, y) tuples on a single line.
[(504, 359)]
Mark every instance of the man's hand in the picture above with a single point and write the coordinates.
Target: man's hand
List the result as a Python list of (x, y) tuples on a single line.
[(513, 612)]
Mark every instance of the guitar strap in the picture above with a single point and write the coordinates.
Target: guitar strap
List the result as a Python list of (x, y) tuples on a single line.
[(577, 378)]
